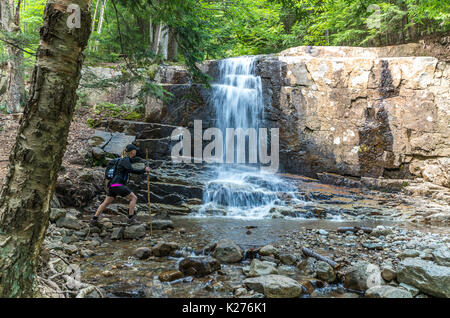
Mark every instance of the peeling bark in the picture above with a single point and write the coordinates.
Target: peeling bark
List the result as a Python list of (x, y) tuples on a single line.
[(40, 145)]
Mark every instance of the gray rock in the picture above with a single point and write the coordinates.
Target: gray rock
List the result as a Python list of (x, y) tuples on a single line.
[(387, 292), (323, 232), (258, 268), (381, 230), (199, 266), (117, 233), (288, 259), (69, 222), (134, 231), (362, 276), (373, 246), (162, 224), (142, 252), (56, 214), (86, 253), (268, 250), (275, 286), (117, 143), (227, 251), (441, 256), (164, 248), (413, 290), (408, 253), (428, 277), (325, 272), (388, 273)]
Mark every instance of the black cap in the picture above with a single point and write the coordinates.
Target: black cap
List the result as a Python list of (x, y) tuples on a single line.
[(131, 147)]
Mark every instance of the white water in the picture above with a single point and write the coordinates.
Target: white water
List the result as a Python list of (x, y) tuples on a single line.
[(241, 191)]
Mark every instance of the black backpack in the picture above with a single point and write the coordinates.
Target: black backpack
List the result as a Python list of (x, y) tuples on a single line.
[(110, 170)]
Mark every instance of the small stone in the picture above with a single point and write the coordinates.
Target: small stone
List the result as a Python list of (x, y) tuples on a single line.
[(170, 276), (258, 268), (275, 286), (288, 259), (388, 273), (199, 266), (387, 292), (85, 253), (323, 232), (413, 290), (107, 273), (117, 233), (142, 253), (325, 272), (226, 251), (268, 250)]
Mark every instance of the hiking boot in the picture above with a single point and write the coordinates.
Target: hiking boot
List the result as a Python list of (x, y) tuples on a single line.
[(132, 220), (94, 222)]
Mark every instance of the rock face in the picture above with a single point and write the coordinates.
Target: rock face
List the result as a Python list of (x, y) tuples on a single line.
[(227, 251), (362, 276), (428, 277), (198, 266), (275, 286), (387, 292)]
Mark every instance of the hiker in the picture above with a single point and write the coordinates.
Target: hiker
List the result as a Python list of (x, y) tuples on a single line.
[(117, 185)]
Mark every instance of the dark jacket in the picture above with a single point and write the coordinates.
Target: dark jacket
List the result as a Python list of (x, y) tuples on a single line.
[(124, 168)]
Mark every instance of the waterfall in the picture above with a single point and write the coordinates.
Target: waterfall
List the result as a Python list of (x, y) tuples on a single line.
[(241, 190)]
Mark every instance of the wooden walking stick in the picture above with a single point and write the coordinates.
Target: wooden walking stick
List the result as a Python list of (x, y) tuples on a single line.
[(148, 194)]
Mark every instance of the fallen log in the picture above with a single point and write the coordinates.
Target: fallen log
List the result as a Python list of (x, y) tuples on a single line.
[(355, 229), (311, 253)]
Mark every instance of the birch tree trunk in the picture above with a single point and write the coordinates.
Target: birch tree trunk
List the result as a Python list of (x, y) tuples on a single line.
[(95, 15), (157, 39), (100, 21), (16, 83), (41, 141), (164, 41)]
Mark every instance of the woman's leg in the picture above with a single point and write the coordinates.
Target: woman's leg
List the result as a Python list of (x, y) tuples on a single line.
[(104, 205), (133, 199)]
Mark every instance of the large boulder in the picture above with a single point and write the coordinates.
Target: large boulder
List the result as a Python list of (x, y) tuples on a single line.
[(227, 251), (258, 268), (134, 231), (275, 286), (198, 266), (69, 222), (362, 276), (428, 277), (387, 292), (441, 256)]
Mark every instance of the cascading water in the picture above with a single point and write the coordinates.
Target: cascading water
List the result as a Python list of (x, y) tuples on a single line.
[(241, 190)]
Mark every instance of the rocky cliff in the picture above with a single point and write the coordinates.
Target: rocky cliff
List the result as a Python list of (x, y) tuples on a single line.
[(358, 112)]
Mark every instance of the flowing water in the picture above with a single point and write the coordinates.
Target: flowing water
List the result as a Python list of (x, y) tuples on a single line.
[(241, 190)]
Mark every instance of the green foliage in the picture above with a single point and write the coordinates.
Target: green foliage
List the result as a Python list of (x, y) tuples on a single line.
[(117, 111)]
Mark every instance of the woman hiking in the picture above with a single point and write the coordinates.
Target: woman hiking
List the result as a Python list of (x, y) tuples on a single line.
[(117, 185)]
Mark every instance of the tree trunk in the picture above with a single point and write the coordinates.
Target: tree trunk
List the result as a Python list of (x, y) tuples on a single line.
[(16, 82), (156, 39), (95, 15), (40, 145), (172, 49), (164, 41), (100, 21)]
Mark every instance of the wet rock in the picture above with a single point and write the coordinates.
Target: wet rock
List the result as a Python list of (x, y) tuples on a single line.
[(199, 266), (170, 276), (325, 272), (268, 250), (117, 233), (142, 252), (381, 230), (275, 286), (164, 248), (134, 231), (373, 246), (441, 256), (288, 259), (270, 259), (69, 222), (227, 251), (388, 273), (414, 291), (428, 277), (387, 292), (159, 224), (408, 254), (56, 214), (85, 253), (362, 276), (258, 268), (307, 266)]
